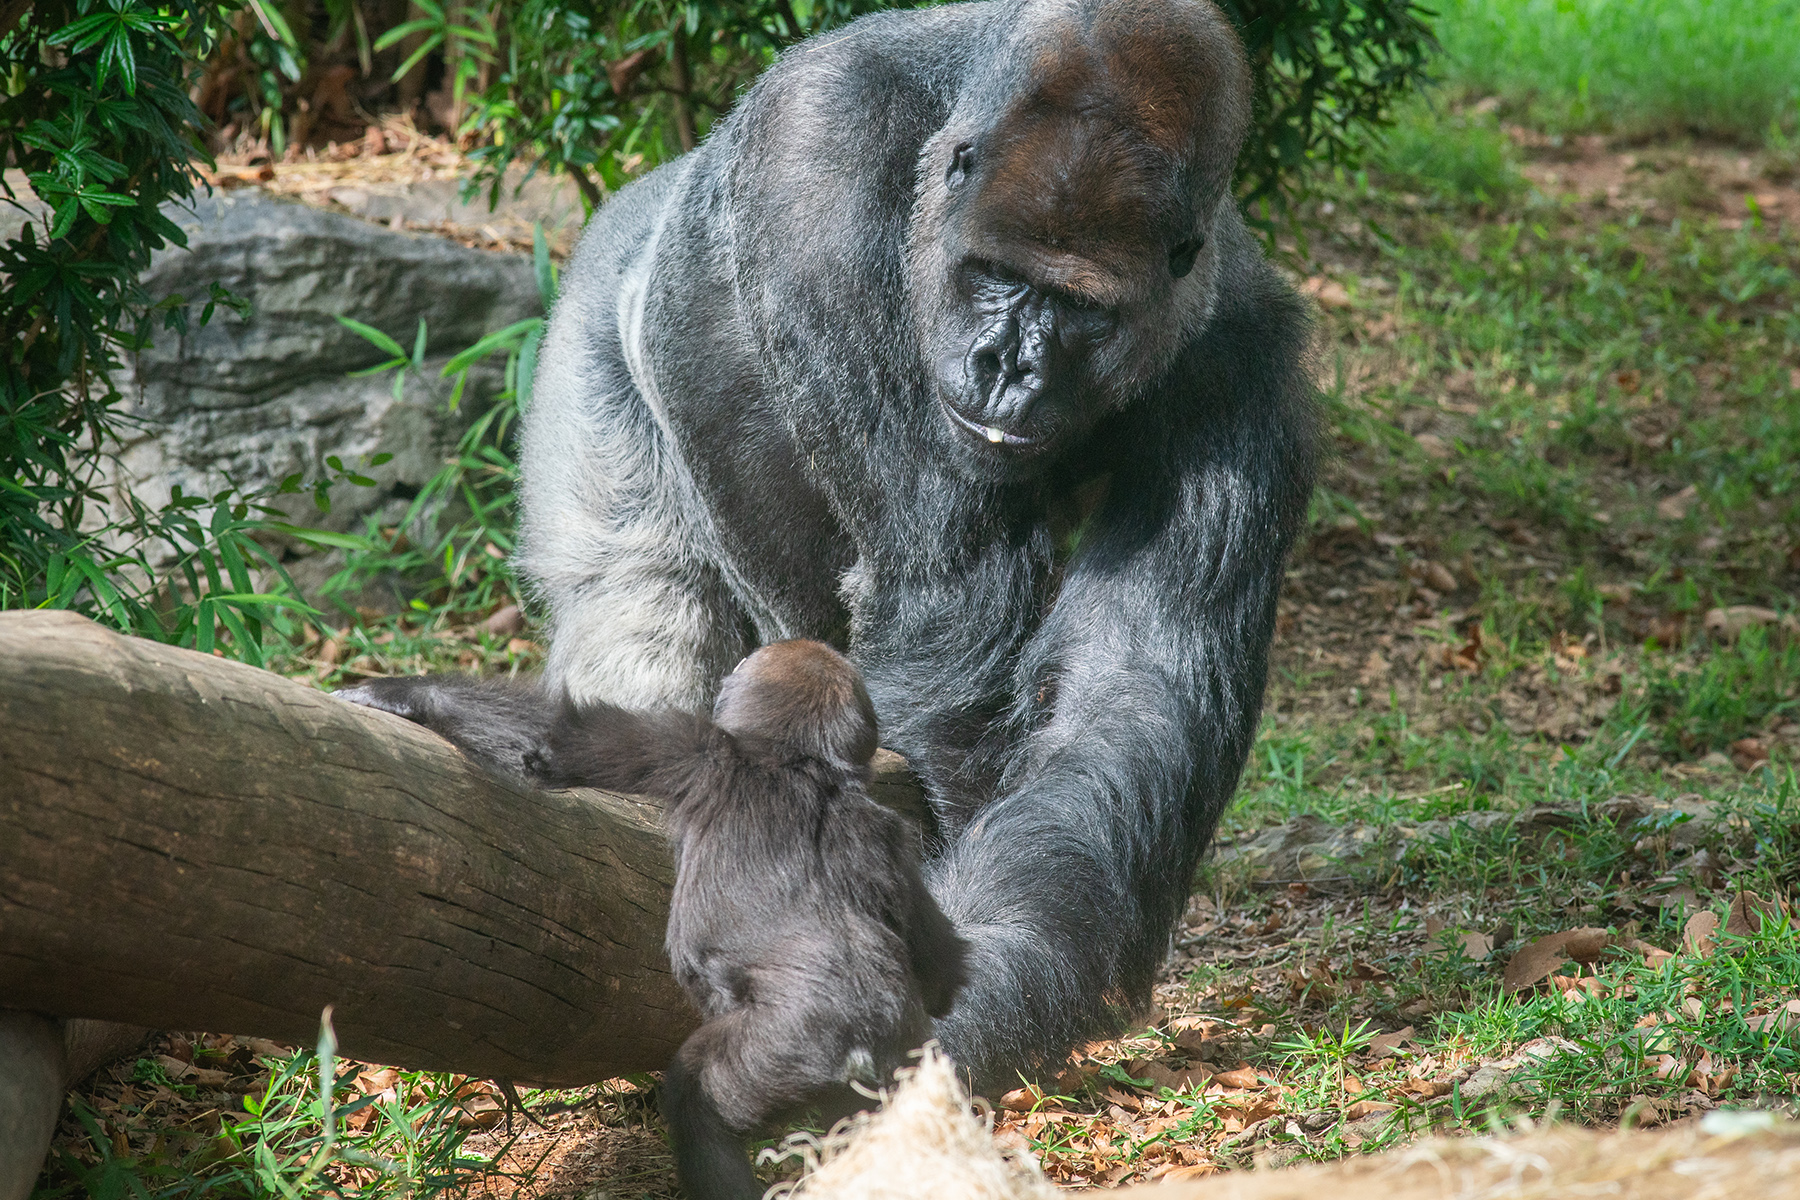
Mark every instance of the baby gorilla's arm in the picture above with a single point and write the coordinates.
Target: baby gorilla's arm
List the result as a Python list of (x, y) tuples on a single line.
[(605, 746), (518, 727), (501, 722), (938, 956)]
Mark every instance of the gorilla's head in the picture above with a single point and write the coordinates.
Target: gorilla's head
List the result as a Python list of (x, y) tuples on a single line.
[(802, 693), (1061, 247)]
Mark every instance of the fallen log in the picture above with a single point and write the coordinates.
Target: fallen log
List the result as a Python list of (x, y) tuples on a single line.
[(187, 842)]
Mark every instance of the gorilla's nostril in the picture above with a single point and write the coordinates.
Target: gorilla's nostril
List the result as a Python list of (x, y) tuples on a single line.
[(987, 364)]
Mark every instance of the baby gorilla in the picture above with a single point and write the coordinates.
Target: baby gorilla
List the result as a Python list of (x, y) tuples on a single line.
[(799, 925)]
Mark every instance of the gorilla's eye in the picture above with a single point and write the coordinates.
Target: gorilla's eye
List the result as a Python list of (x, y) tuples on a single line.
[(962, 161), (1181, 258)]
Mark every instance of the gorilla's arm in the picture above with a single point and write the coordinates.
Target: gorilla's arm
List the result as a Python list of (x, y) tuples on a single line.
[(1142, 690), (502, 722), (602, 745)]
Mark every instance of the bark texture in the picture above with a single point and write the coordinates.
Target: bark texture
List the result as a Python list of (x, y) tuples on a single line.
[(191, 843)]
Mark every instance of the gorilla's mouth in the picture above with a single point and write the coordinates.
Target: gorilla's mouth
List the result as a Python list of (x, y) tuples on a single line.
[(993, 435)]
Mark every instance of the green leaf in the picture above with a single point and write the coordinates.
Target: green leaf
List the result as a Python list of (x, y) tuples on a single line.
[(325, 537), (498, 340), (392, 364), (373, 336), (272, 18), (249, 648), (425, 48)]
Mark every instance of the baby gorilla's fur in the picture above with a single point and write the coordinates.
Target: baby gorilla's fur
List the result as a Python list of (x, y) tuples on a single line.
[(799, 925)]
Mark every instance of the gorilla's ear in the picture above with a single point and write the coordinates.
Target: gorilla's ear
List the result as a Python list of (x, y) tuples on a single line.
[(1181, 257), (962, 161)]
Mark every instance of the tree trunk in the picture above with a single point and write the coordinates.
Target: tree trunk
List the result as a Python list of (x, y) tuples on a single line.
[(682, 86), (191, 843)]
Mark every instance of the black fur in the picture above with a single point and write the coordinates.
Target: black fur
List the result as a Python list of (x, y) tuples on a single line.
[(503, 722), (763, 411)]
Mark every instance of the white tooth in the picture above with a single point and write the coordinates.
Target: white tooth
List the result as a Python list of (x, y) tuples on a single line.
[(993, 435)]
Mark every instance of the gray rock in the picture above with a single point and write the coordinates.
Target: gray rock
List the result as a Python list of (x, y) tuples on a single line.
[(253, 401), (1496, 1081), (552, 202), (1308, 848)]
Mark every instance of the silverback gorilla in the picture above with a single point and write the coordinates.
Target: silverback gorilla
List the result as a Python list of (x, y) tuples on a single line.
[(950, 345)]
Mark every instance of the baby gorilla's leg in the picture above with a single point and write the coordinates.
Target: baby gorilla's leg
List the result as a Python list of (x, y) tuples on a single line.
[(709, 1150), (738, 1074)]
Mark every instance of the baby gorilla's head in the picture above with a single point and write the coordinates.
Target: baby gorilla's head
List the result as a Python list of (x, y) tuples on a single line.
[(805, 694)]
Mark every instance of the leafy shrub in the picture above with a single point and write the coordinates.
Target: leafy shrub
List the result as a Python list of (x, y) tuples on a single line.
[(97, 116), (1325, 72), (605, 91)]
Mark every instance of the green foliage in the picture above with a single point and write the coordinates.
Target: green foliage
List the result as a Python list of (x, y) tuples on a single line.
[(268, 58), (608, 90), (1641, 1014), (1719, 67), (458, 532), (1322, 1053), (286, 1144), (1736, 689), (1325, 72), (97, 115), (605, 91)]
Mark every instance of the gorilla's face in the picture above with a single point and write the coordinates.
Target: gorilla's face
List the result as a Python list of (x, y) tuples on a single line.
[(1066, 262), (1061, 243), (1015, 361)]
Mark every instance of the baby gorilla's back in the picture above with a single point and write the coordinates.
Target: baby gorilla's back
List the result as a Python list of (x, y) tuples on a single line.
[(796, 897), (795, 926)]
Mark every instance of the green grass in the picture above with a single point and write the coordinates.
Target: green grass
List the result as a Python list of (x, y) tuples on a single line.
[(1611, 386), (1687, 1009), (1725, 68), (278, 1147), (1710, 704), (1455, 156)]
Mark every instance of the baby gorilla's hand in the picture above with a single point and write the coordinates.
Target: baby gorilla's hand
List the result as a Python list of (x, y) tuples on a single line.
[(540, 764), (496, 721), (404, 697), (553, 761)]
